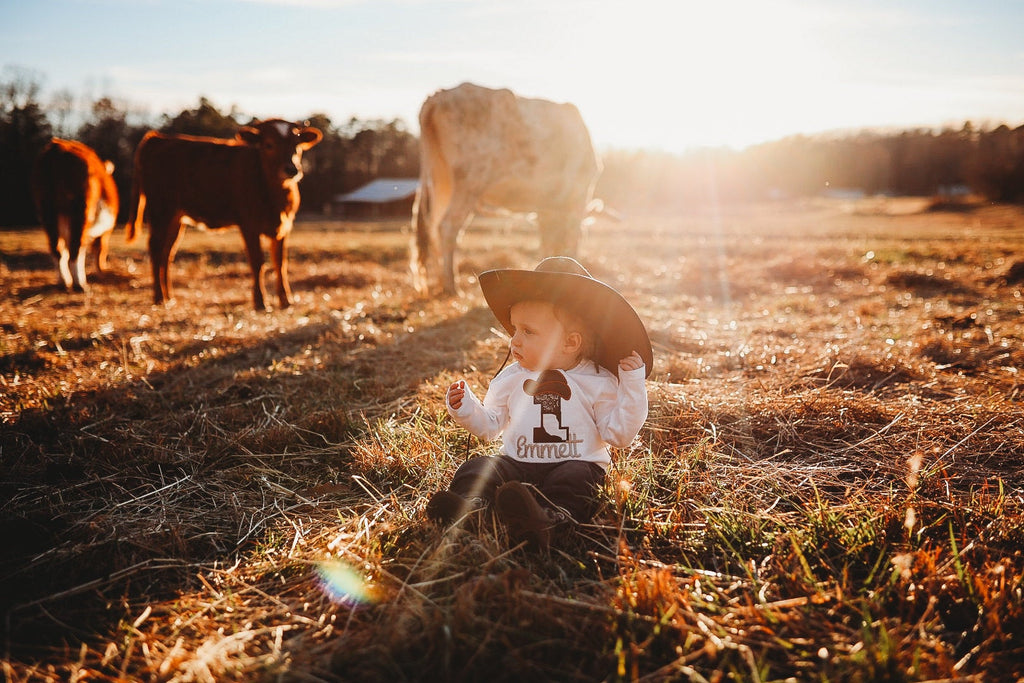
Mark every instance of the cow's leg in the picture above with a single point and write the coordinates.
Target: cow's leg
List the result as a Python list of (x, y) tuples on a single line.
[(254, 250), (100, 247), (78, 280), (559, 232), (164, 235), (62, 259), (100, 232), (279, 258), (430, 208), (75, 252), (429, 271), (50, 220), (56, 229), (459, 215), (423, 247)]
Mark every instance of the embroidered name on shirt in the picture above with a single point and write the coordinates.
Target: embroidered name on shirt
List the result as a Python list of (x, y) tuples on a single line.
[(563, 450)]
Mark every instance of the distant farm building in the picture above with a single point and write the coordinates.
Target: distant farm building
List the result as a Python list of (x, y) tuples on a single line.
[(381, 198)]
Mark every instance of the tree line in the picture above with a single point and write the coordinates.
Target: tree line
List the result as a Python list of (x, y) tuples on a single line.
[(987, 162), (349, 155), (920, 162)]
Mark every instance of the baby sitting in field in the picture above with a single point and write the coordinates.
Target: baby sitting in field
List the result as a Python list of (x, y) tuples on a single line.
[(576, 386)]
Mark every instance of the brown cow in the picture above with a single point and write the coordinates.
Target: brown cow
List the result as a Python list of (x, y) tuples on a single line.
[(77, 202), (491, 148), (251, 182)]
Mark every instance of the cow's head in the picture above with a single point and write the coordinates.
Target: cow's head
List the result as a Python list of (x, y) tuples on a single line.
[(281, 144)]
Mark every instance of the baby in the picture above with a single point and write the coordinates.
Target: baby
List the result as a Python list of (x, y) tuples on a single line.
[(576, 386)]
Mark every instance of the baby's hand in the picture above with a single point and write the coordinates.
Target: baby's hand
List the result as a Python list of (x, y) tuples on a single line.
[(455, 393), (631, 362)]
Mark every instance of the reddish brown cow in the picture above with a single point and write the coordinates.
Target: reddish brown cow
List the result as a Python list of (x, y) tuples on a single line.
[(77, 203), (251, 182)]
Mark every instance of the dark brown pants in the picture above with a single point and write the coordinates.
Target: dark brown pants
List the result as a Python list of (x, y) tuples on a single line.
[(572, 484)]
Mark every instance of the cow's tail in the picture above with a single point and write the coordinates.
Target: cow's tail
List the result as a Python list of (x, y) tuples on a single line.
[(137, 200), (432, 199)]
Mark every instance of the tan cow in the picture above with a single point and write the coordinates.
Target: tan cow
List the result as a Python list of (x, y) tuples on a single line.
[(77, 202), (251, 182), (491, 148)]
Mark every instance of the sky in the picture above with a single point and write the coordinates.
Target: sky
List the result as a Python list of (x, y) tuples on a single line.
[(646, 74)]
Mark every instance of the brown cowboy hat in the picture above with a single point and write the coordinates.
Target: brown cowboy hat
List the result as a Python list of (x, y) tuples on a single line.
[(567, 284)]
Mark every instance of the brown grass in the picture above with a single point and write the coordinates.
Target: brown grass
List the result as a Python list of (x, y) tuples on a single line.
[(829, 486)]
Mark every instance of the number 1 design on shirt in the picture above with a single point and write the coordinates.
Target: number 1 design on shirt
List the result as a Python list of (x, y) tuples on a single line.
[(548, 391)]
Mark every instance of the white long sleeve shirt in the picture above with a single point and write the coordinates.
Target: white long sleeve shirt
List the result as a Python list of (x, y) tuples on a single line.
[(577, 419)]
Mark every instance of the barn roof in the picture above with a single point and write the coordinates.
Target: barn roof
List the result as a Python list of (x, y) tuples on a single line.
[(381, 191)]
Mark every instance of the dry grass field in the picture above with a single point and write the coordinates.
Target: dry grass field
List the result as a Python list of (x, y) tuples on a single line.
[(830, 486)]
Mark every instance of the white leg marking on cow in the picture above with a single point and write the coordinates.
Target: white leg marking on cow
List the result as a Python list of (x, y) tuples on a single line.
[(287, 223), (78, 274), (105, 220), (63, 258), (63, 269)]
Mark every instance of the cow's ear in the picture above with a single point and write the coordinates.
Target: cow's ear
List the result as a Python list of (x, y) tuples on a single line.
[(249, 135), (309, 137)]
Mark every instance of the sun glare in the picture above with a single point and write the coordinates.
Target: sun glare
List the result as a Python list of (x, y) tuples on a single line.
[(681, 74)]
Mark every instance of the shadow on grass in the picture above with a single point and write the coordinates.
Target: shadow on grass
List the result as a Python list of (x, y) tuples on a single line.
[(122, 494)]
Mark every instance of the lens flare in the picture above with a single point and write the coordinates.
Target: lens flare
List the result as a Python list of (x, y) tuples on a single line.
[(343, 584)]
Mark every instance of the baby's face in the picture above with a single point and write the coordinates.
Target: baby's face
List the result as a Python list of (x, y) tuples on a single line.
[(540, 341)]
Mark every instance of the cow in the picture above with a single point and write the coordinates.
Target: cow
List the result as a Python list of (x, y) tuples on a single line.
[(251, 182), (77, 203), (483, 148)]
